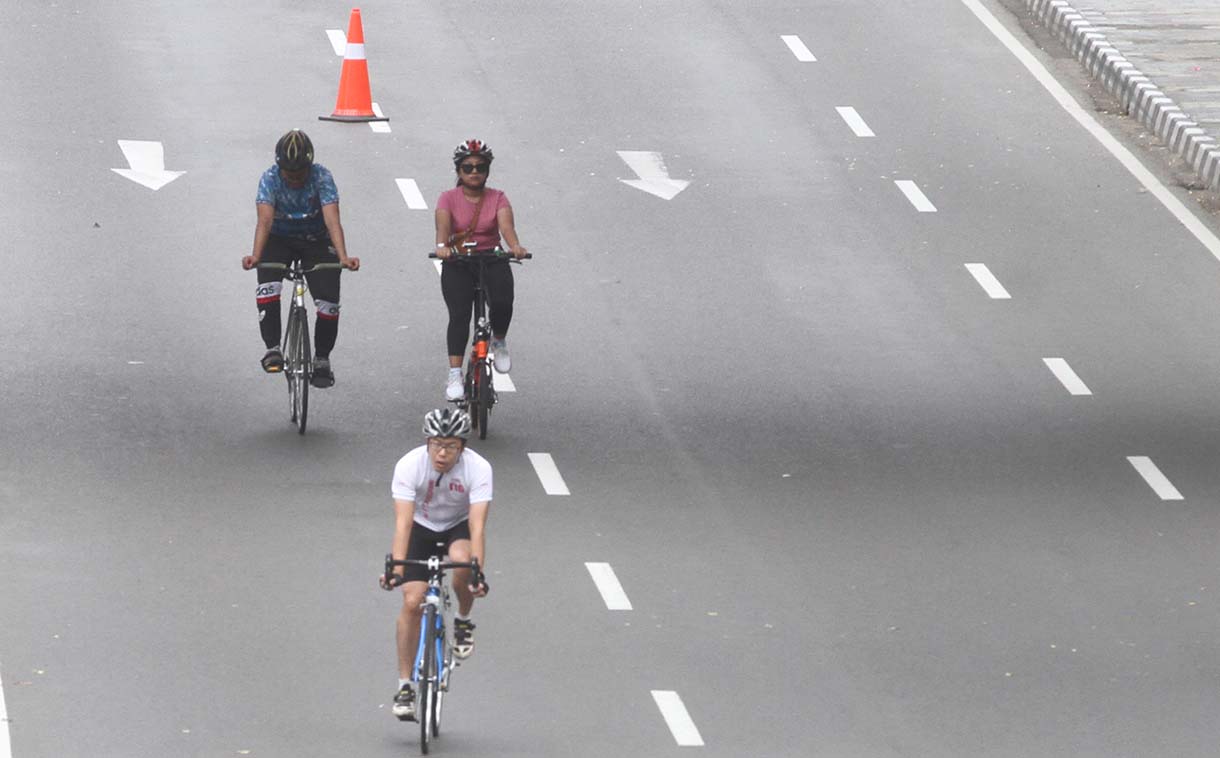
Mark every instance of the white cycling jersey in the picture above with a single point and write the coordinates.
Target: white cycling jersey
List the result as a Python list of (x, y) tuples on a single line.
[(442, 501)]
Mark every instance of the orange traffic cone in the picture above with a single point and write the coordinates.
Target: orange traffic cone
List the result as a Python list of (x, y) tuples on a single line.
[(355, 101)]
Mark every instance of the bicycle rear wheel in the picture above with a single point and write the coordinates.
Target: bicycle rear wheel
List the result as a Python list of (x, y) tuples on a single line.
[(485, 396), (426, 695)]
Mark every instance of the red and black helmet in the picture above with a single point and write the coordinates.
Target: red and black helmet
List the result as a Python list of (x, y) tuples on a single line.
[(472, 147)]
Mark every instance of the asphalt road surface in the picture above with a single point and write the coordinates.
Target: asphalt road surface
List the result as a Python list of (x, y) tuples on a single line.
[(854, 510)]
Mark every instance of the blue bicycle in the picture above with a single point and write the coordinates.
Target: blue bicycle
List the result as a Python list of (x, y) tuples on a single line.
[(434, 660)]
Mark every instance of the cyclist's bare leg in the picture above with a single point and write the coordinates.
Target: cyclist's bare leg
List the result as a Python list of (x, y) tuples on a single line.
[(455, 361), (408, 626), (459, 552)]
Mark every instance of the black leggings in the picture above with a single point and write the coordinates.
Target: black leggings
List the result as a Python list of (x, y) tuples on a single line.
[(457, 285), (323, 285)]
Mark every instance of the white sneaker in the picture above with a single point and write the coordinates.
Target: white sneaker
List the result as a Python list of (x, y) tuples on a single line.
[(455, 389), (500, 356)]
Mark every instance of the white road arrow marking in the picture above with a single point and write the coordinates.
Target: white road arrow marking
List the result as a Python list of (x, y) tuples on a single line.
[(653, 176), (147, 162)]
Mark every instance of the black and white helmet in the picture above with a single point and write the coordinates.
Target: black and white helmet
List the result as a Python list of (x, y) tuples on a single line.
[(447, 422), (294, 151), (472, 147)]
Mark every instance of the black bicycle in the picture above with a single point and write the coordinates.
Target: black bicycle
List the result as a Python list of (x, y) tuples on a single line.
[(434, 660), (298, 352), (480, 389)]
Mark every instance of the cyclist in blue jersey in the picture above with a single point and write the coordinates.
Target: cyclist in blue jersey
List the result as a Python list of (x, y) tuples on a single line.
[(298, 217)]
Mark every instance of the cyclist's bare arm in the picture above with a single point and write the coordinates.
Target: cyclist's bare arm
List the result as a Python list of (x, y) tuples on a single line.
[(330, 217), (444, 228), (508, 230), (478, 545), (262, 230), (404, 517)]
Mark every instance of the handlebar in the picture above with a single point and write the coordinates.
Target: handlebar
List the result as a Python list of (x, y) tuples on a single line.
[(286, 267), (392, 580), (486, 255)]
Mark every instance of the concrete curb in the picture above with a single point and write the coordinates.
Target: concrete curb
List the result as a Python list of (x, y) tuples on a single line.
[(1140, 98)]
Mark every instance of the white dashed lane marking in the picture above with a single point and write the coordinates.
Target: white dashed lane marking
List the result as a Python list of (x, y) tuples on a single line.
[(798, 48), (854, 121), (381, 127), (915, 195), (6, 749), (502, 382), (1064, 373), (608, 585), (683, 728), (548, 474), (1159, 483), (411, 194), (987, 281), (338, 40)]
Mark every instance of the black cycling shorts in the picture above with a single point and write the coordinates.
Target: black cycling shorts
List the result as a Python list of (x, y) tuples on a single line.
[(425, 543)]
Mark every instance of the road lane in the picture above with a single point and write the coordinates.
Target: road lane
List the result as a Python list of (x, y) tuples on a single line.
[(776, 400)]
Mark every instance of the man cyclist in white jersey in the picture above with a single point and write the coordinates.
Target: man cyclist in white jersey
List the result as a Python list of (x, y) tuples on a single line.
[(441, 492)]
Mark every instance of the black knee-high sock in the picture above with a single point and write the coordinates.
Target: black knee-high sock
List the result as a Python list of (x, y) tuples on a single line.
[(325, 331), (269, 322)]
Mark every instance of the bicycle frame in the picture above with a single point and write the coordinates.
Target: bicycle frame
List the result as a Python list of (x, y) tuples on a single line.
[(437, 596)]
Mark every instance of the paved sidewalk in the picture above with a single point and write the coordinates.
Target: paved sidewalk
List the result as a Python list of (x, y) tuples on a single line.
[(1173, 44)]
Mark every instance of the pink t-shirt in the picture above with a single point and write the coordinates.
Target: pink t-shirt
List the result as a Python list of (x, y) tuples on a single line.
[(487, 230)]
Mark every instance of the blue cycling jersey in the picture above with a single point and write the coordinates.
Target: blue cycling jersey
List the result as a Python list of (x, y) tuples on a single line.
[(298, 211)]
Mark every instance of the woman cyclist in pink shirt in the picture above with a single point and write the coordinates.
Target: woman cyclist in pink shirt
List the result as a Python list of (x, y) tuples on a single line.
[(474, 212)]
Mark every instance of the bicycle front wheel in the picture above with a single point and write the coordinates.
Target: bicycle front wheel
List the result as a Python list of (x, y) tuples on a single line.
[(300, 367), (438, 698), (291, 336), (426, 697), (485, 395)]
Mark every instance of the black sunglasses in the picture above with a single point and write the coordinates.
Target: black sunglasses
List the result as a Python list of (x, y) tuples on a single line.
[(473, 168)]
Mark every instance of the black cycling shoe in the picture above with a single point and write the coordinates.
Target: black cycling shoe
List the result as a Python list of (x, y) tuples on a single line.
[(404, 704), (322, 376), (273, 361), (463, 639)]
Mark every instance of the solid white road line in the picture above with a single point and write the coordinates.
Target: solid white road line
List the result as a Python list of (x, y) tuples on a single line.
[(608, 584), (854, 121), (915, 195), (6, 748), (338, 40), (502, 382), (548, 473), (411, 194), (987, 281), (798, 48), (381, 127), (680, 724), (1156, 480), (1064, 373), (1107, 140)]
